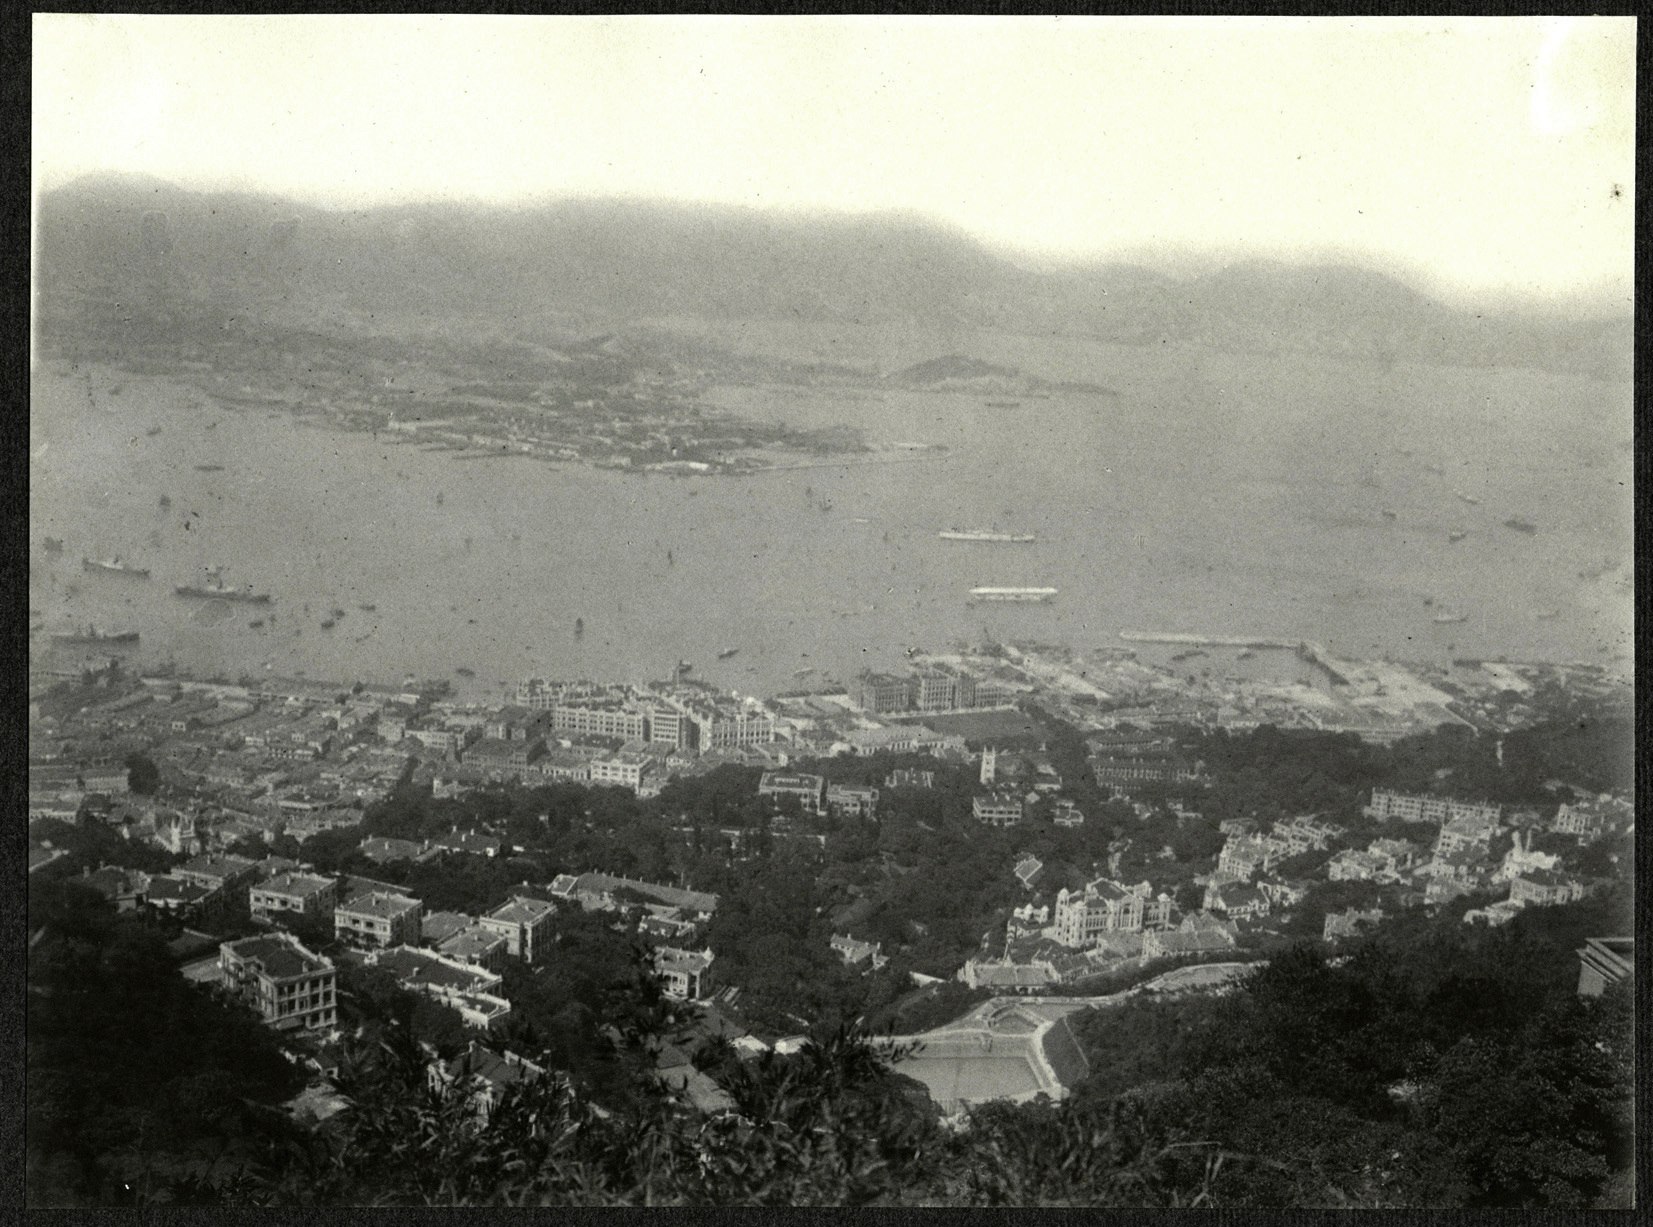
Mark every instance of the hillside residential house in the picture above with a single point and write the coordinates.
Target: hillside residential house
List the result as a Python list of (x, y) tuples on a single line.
[(685, 975), (229, 875), (1284, 893), (382, 850), (1066, 814), (461, 987), (378, 919), (604, 892), (1541, 887), (1027, 870), (1494, 914), (1349, 923), (125, 888), (910, 777), (485, 1075), (477, 946), (1199, 933), (849, 799), (1468, 866), (1521, 858), (289, 987), (436, 927), (998, 808), (302, 894), (1236, 900), (1353, 865), (1393, 856), (807, 789), (1244, 856), (1467, 832), (469, 842), (1306, 834), (186, 900), (1589, 820), (858, 953), (522, 922)]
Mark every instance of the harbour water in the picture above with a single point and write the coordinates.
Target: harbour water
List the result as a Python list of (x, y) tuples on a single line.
[(1143, 520)]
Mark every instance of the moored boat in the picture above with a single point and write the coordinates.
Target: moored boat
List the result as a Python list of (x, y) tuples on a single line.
[(1013, 594), (114, 566), (223, 594), (93, 635), (985, 534)]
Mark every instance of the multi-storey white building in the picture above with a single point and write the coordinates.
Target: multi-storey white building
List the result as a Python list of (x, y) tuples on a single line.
[(289, 987), (522, 923), (1104, 906), (612, 718), (1423, 807), (1544, 886), (1244, 855), (849, 799), (624, 770), (684, 974), (808, 789), (1469, 831), (998, 809), (293, 894), (378, 918)]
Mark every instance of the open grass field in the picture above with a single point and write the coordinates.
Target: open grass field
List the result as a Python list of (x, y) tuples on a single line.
[(996, 726), (972, 1078)]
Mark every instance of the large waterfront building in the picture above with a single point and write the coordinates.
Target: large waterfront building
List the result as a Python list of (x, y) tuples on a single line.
[(681, 715), (935, 688)]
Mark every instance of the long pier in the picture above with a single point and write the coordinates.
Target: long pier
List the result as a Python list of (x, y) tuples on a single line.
[(1220, 641)]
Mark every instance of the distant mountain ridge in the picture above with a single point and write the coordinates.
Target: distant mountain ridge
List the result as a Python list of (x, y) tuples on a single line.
[(148, 248)]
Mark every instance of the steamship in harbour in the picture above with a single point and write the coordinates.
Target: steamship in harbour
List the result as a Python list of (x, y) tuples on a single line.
[(216, 589), (985, 534), (1018, 595)]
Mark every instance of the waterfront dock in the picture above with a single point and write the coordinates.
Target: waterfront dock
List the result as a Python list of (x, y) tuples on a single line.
[(1217, 641)]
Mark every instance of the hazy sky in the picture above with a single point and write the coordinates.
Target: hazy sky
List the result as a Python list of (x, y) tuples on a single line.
[(1484, 152)]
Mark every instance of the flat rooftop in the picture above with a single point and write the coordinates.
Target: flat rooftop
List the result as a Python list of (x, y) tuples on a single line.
[(280, 958), (380, 904)]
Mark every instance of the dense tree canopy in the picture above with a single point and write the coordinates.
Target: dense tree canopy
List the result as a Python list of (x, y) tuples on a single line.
[(141, 1087)]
